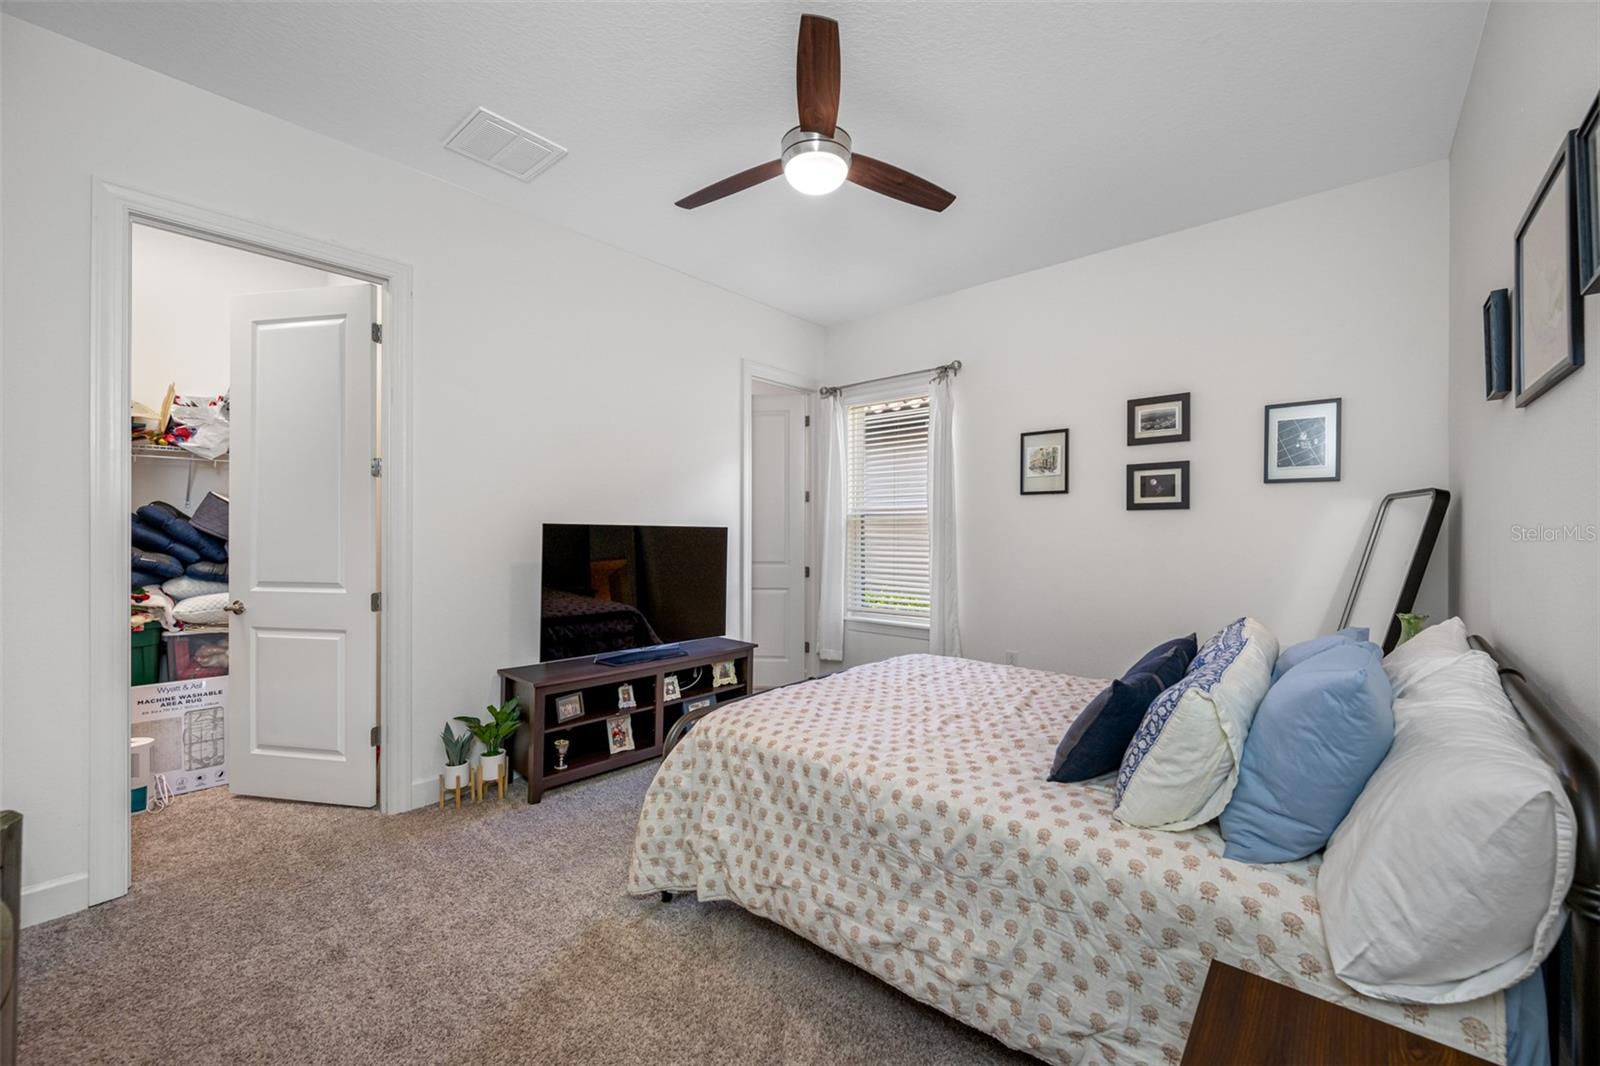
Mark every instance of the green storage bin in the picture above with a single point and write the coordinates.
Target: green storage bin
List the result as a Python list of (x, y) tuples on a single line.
[(146, 653)]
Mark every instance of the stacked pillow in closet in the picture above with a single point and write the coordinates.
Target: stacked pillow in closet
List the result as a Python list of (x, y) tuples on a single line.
[(1448, 839), (189, 564)]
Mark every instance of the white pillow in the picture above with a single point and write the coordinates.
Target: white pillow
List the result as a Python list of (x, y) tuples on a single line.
[(1432, 649), (1444, 882), (185, 587), (202, 610), (1180, 769)]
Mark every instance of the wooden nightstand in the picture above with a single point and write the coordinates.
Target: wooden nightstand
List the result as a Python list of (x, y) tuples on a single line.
[(1247, 1020)]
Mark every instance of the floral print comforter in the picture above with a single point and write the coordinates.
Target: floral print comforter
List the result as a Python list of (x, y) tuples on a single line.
[(897, 814)]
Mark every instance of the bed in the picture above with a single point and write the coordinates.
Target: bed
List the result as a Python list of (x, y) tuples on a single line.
[(897, 815)]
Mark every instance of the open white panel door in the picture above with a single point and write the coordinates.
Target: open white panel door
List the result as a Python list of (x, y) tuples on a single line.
[(302, 691), (778, 538)]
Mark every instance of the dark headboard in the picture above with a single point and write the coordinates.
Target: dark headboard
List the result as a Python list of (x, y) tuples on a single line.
[(1572, 972)]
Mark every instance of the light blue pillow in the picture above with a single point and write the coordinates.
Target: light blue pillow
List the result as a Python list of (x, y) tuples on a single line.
[(1295, 654), (1319, 734)]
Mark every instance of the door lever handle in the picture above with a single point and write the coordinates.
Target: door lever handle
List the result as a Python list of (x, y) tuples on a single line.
[(236, 607)]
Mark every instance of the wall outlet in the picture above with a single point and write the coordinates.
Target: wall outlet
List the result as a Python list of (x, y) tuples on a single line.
[(1011, 658)]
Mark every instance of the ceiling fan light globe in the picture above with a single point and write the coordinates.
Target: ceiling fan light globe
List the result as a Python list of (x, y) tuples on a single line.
[(814, 164), (816, 173)]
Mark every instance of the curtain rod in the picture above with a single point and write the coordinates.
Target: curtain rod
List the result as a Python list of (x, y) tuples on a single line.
[(952, 367)]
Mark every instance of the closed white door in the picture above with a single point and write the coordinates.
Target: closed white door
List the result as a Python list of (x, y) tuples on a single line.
[(778, 538), (302, 690)]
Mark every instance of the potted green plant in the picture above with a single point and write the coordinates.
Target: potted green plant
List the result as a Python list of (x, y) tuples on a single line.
[(457, 750), (503, 721)]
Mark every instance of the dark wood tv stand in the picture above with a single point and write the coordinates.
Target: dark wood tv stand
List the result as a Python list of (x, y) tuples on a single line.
[(538, 686)]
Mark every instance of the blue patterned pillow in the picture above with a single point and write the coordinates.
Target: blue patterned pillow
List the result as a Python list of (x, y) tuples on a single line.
[(1183, 762)]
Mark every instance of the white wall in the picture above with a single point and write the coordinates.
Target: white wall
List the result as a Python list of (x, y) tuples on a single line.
[(556, 379), (1537, 71), (1339, 294)]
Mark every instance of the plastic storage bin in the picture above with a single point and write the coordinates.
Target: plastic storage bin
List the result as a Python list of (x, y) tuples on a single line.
[(146, 654), (197, 653)]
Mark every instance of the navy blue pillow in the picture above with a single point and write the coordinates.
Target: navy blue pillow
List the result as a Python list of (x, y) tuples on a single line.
[(1188, 645), (1095, 741)]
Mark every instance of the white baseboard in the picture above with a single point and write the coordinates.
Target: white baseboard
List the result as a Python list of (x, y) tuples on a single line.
[(54, 898), (424, 792)]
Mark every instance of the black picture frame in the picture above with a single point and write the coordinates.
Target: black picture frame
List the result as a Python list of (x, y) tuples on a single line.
[(1044, 486), (1587, 170), (1269, 452), (1176, 399), (1497, 344), (1181, 484), (1559, 183)]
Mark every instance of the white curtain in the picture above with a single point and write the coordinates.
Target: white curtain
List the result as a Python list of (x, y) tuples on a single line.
[(944, 626), (830, 606)]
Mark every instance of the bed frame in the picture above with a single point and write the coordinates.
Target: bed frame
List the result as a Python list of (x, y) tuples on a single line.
[(1572, 972)]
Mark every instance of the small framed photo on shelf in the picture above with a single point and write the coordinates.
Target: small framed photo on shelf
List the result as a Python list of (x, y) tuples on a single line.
[(669, 688), (699, 703), (1301, 442), (1158, 486), (625, 700), (1043, 462), (723, 674), (1588, 169), (569, 707), (1497, 344), (619, 733), (1548, 315), (1158, 419)]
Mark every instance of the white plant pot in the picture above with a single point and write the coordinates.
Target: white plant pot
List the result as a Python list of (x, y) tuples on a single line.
[(455, 776), (490, 765)]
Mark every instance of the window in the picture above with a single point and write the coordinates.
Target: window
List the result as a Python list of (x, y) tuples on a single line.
[(886, 510)]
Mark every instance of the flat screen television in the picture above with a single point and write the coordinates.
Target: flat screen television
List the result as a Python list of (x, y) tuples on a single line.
[(615, 588)]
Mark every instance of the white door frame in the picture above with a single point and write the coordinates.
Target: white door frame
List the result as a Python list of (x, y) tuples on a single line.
[(750, 373), (116, 209)]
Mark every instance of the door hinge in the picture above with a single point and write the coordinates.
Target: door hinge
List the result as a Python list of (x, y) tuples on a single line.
[(808, 420), (808, 647), (376, 732), (377, 601), (377, 468), (808, 571), (808, 495), (377, 333)]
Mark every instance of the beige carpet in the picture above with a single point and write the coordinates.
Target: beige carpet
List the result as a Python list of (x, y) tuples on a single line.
[(259, 931)]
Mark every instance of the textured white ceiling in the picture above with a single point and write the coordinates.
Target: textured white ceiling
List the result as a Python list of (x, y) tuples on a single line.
[(1064, 129)]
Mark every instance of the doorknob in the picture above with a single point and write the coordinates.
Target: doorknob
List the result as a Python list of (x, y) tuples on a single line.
[(236, 607)]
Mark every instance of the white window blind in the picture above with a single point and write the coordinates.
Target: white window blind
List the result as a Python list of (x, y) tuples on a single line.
[(886, 549)]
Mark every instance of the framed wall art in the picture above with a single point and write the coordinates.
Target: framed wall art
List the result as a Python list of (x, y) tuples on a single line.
[(1043, 462), (1158, 486), (1497, 344), (1588, 172), (1547, 316), (1158, 419), (1301, 441)]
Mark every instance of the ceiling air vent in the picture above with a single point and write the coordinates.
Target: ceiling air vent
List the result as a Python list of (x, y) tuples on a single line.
[(504, 145)]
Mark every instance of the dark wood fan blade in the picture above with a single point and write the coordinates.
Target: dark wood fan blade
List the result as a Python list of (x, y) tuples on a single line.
[(816, 74), (728, 186), (891, 181)]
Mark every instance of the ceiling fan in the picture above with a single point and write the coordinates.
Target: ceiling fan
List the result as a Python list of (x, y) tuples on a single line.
[(815, 156)]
